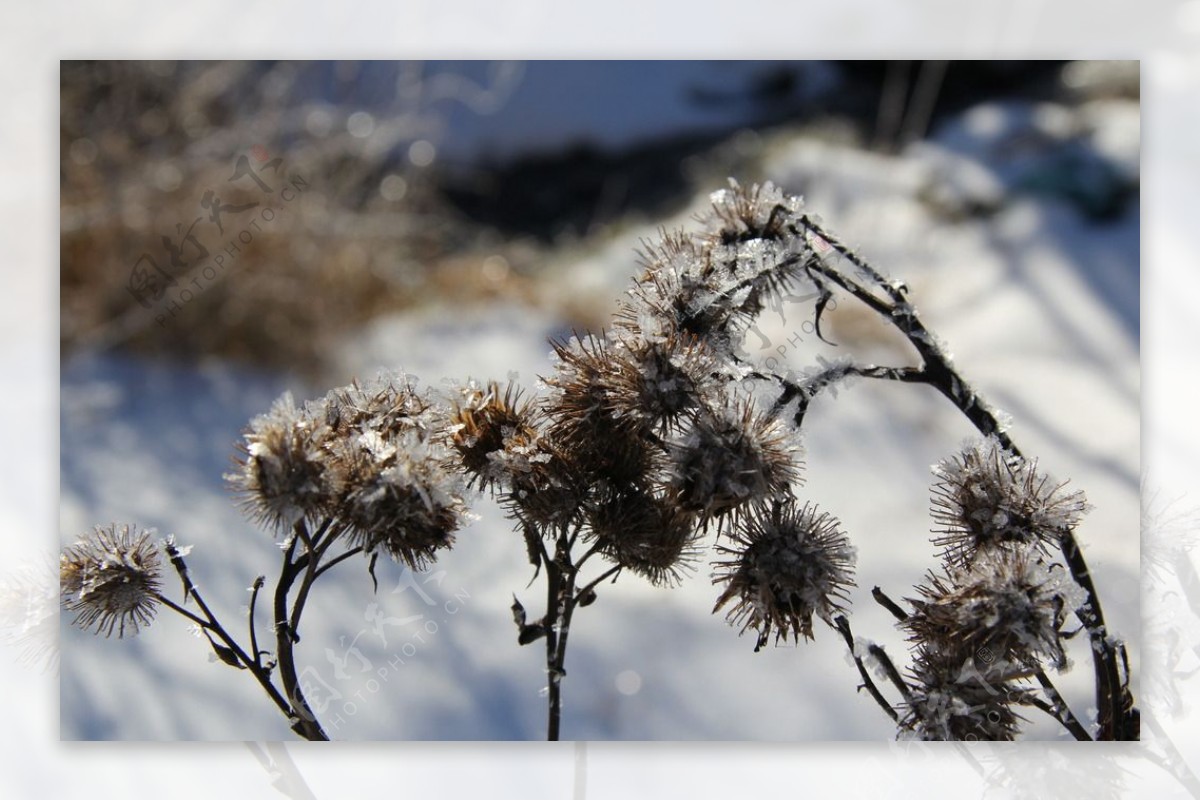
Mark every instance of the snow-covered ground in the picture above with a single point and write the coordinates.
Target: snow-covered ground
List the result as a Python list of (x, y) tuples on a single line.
[(1039, 304)]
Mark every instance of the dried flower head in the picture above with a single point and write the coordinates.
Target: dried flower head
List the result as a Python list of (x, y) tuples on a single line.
[(389, 404), (286, 473), (731, 457), (791, 563), (659, 385), (679, 293), (1005, 606), (644, 533), (496, 436), (585, 428), (742, 213), (402, 497), (951, 700), (110, 579), (987, 498), (712, 286)]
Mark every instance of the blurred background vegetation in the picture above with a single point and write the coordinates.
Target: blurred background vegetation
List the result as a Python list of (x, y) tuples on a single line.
[(460, 181)]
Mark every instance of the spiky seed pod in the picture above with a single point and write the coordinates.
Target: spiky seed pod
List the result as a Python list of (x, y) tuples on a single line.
[(402, 498), (1006, 606), (389, 404), (678, 293), (643, 533), (583, 429), (496, 436), (741, 213), (549, 500), (731, 457), (952, 700), (110, 579), (286, 472), (788, 564), (660, 384), (987, 498)]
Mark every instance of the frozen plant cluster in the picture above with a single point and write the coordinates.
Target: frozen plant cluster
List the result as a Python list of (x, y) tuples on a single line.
[(648, 446)]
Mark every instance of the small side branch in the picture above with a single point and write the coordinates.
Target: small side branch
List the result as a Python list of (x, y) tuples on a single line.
[(843, 625), (888, 604), (1060, 711)]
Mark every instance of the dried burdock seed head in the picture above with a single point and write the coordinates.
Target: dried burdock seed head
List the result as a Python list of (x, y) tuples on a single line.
[(952, 700), (742, 213), (110, 579), (1006, 607), (788, 564), (549, 501), (402, 497), (286, 472), (584, 428), (389, 404), (659, 384), (713, 285), (733, 456), (679, 293), (496, 436), (643, 533), (987, 498)]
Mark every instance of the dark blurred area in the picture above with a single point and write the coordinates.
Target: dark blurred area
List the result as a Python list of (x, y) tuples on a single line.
[(447, 180)]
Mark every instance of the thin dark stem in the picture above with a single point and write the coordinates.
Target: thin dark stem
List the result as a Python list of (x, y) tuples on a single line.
[(596, 582), (887, 603), (554, 581), (1061, 711), (306, 724), (803, 394), (213, 625), (843, 625), (895, 291), (574, 537), (890, 669), (595, 549), (1080, 735), (1115, 724), (189, 587), (254, 588), (320, 532), (562, 599), (339, 558), (310, 575), (199, 621)]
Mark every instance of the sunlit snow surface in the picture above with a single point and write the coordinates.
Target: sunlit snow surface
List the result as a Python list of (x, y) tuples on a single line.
[(1039, 306)]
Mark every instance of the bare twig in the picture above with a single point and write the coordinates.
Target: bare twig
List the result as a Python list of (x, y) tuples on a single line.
[(1060, 710), (843, 625)]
